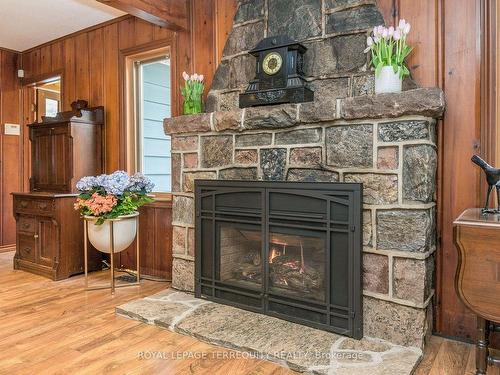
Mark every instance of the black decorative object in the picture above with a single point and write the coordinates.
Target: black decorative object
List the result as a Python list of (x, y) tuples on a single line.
[(279, 76), (292, 250), (493, 179)]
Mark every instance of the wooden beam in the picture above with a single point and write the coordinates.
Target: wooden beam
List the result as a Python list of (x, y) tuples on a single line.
[(171, 14)]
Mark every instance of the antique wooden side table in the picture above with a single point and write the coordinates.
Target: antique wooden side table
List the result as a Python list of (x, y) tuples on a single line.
[(477, 280)]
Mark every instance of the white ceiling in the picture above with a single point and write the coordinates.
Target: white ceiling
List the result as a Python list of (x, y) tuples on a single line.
[(29, 23)]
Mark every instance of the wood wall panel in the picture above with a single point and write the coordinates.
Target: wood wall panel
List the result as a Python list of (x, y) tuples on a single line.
[(111, 96), (447, 56), (96, 67), (10, 145), (460, 140), (57, 56), (388, 9), (204, 59), (424, 38), (82, 67), (69, 81), (225, 11)]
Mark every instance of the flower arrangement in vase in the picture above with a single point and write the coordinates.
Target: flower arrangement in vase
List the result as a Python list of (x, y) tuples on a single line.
[(192, 93), (114, 197), (388, 53)]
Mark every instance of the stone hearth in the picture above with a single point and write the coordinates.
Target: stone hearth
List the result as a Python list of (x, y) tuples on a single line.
[(290, 345), (387, 142)]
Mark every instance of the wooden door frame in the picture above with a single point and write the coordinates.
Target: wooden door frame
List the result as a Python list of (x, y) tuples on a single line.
[(26, 86)]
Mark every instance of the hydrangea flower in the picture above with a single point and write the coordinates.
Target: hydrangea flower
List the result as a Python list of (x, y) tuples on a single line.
[(86, 184), (140, 183), (115, 183)]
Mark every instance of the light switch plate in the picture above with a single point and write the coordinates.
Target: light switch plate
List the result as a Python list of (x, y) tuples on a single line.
[(12, 129)]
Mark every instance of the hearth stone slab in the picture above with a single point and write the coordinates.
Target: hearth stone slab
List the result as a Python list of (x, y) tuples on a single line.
[(291, 345)]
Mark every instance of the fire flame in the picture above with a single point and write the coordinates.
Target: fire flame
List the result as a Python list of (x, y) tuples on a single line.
[(273, 254)]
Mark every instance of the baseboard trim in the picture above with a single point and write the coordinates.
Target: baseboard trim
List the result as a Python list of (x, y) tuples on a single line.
[(7, 248)]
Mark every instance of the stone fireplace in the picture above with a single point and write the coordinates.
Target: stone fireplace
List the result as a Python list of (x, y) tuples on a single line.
[(386, 142)]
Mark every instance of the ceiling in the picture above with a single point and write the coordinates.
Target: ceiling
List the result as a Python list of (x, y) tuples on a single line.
[(29, 23)]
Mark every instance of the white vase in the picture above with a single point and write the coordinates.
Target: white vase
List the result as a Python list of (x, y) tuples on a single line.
[(387, 81), (124, 231)]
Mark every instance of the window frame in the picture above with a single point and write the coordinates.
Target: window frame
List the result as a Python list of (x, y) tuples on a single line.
[(129, 139)]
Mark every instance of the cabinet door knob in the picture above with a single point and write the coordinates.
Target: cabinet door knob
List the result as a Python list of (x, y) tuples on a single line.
[(35, 236)]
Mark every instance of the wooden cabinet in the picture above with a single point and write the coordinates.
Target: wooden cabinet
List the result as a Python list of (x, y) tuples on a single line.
[(49, 232), (477, 281), (50, 236), (65, 148)]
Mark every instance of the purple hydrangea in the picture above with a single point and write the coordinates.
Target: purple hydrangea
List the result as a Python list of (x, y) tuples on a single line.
[(140, 183), (86, 184), (115, 183)]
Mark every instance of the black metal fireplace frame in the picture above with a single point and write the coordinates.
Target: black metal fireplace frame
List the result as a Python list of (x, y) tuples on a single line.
[(208, 287)]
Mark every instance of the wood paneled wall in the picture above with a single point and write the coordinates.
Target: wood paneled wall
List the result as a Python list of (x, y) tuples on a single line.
[(89, 61), (10, 145), (446, 35)]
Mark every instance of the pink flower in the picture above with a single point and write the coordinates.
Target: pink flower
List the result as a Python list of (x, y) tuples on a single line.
[(397, 34), (185, 76), (369, 43), (97, 203), (391, 31), (201, 77), (194, 77), (407, 29)]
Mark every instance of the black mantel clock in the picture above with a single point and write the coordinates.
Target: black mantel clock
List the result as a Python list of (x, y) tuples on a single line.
[(279, 76)]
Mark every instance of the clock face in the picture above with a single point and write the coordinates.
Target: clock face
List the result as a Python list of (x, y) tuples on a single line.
[(272, 63)]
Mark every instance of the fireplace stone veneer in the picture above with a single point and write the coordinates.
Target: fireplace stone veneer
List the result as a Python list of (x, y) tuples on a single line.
[(393, 153)]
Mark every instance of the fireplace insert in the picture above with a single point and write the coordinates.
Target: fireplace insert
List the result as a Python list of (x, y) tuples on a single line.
[(289, 250)]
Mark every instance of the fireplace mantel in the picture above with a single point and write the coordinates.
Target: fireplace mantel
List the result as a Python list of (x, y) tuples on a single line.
[(427, 102)]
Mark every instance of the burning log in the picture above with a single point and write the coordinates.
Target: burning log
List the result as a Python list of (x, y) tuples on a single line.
[(292, 273)]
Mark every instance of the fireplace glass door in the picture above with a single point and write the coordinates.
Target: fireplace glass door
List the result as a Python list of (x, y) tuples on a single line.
[(240, 261), (289, 250)]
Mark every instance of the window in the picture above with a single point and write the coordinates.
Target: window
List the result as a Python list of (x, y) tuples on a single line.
[(153, 104), (51, 107)]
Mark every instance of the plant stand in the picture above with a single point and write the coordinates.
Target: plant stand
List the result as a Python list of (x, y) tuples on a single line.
[(112, 286)]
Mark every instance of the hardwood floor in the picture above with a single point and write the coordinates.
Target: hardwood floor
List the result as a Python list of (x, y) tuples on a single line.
[(56, 328)]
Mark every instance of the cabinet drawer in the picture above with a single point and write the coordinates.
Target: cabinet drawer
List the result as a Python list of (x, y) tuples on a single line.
[(36, 206), (26, 224), (26, 247)]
